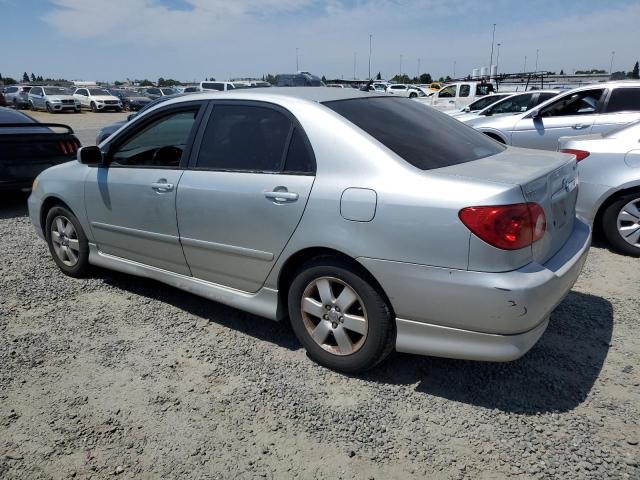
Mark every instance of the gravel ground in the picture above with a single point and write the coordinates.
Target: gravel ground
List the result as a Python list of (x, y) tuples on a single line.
[(116, 375), (85, 125)]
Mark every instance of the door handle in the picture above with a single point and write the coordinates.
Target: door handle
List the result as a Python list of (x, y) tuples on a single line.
[(161, 186), (282, 196), (579, 126)]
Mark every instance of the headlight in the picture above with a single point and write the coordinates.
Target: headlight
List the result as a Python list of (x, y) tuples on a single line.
[(56, 101)]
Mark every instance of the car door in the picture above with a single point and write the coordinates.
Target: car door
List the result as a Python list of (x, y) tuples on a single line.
[(82, 95), (244, 193), (571, 114), (446, 98), (131, 202), (622, 106)]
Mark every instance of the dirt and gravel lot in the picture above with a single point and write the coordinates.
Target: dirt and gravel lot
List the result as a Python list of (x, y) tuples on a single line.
[(85, 125), (116, 375)]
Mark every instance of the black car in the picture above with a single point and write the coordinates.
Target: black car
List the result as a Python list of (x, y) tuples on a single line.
[(300, 79), (28, 147), (131, 101)]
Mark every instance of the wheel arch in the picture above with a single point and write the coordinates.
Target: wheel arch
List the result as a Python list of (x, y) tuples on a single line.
[(297, 259), (597, 219), (47, 204)]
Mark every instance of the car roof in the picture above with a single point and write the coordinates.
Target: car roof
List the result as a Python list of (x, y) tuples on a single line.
[(313, 94)]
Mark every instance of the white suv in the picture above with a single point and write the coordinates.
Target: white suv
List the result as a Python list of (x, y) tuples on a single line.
[(97, 99), (402, 90)]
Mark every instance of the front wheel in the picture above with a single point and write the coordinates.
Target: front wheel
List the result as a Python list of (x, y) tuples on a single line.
[(67, 242), (343, 322), (413, 95), (621, 224), (49, 108), (32, 107), (94, 109)]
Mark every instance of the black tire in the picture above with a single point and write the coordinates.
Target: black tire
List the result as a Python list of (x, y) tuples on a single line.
[(413, 95), (118, 109), (610, 225), (32, 107), (380, 337), (49, 108), (80, 268), (94, 109), (15, 104)]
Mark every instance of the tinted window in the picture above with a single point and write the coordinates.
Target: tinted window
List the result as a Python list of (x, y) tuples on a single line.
[(11, 90), (422, 136), (447, 92), (299, 157), (624, 100), (246, 138), (543, 97), (484, 102), (213, 86), (465, 90), (518, 103), (484, 89), (159, 144), (154, 91), (579, 103)]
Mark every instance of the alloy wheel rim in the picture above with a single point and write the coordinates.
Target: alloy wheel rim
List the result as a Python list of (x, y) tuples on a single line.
[(64, 239), (629, 222), (334, 316)]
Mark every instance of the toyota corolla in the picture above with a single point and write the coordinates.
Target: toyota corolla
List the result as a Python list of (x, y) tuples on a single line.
[(370, 222)]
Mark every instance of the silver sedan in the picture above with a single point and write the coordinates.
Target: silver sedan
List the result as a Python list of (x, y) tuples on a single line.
[(610, 183), (593, 109), (371, 222)]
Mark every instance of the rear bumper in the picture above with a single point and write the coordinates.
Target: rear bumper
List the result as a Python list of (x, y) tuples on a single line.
[(477, 315)]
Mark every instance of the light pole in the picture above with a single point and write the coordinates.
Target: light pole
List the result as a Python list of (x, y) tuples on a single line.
[(370, 35), (524, 70), (613, 54), (297, 67), (498, 58), (418, 71), (401, 65), (354, 65), (454, 69), (537, 52), (493, 37)]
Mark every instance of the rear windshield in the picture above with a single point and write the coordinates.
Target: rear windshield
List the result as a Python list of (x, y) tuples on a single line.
[(423, 136)]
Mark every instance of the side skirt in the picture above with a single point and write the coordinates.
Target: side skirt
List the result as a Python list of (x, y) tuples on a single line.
[(263, 303)]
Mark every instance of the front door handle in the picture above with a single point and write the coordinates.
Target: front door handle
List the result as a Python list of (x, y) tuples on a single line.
[(281, 196), (580, 126), (162, 186)]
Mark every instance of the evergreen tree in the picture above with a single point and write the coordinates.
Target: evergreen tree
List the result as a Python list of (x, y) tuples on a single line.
[(378, 77), (33, 77), (635, 73), (426, 78), (324, 79), (25, 77), (561, 72)]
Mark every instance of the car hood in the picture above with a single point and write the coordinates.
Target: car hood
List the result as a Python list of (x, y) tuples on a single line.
[(139, 99), (104, 97), (60, 97)]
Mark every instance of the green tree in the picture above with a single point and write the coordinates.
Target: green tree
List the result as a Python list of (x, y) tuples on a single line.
[(324, 79), (33, 77), (561, 72), (271, 79), (635, 73), (25, 77), (9, 81), (426, 78), (379, 76), (117, 83), (146, 83)]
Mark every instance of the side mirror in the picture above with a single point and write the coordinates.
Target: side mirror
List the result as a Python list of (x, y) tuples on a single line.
[(535, 114), (466, 109), (91, 156)]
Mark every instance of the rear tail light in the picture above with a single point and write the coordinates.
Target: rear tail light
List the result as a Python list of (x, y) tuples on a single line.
[(580, 154), (509, 227), (69, 147)]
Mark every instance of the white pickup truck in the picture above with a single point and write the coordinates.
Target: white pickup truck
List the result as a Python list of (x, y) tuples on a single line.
[(455, 96)]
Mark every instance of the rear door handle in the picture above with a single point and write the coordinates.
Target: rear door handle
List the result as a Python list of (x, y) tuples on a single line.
[(162, 186), (580, 126), (282, 196)]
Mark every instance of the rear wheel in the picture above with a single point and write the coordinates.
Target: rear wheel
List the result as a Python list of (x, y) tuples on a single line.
[(94, 109), (413, 95), (621, 224), (67, 242), (343, 322)]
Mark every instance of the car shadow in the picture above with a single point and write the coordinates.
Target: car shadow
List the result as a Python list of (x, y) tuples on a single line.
[(555, 376), (13, 204)]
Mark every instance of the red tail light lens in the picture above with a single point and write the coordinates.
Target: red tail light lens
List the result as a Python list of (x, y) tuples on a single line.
[(580, 154), (509, 227)]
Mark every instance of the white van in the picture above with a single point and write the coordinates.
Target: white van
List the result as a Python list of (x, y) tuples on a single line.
[(218, 86)]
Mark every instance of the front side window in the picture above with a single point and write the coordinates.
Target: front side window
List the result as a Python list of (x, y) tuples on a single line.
[(423, 137), (579, 103), (543, 97), (159, 144), (484, 89), (484, 102), (213, 86), (465, 90), (624, 100), (518, 103), (244, 138), (447, 92), (35, 91)]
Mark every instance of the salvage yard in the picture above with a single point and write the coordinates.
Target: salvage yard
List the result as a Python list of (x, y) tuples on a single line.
[(121, 375)]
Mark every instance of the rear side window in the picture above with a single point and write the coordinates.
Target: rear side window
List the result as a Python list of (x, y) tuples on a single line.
[(465, 90), (624, 100), (213, 86), (422, 136), (244, 138), (299, 156)]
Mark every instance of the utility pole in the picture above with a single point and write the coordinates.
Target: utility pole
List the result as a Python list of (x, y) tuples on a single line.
[(297, 67), (370, 35), (354, 65), (524, 70), (613, 54), (493, 37), (537, 52), (497, 58), (454, 69)]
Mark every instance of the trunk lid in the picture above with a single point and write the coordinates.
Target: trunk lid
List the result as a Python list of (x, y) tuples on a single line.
[(547, 178)]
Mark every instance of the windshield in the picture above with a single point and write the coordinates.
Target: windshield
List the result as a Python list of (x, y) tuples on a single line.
[(98, 91), (168, 91), (424, 137), (484, 102), (56, 91)]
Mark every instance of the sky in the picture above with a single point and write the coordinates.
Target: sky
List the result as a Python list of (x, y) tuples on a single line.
[(107, 40)]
